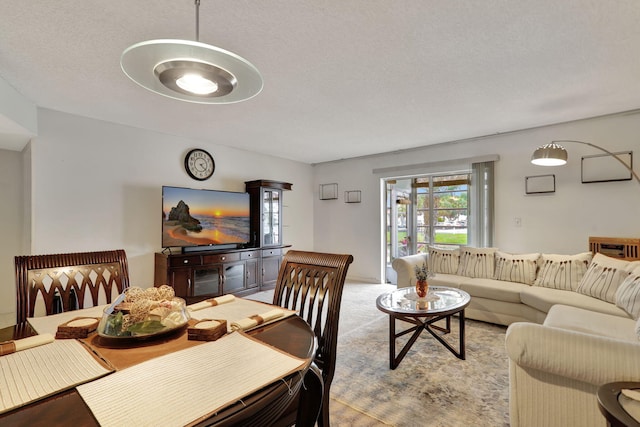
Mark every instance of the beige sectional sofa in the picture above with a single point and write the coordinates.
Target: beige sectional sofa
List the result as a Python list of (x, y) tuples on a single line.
[(573, 323)]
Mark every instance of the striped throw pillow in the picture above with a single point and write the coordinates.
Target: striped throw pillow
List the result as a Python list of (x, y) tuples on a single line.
[(604, 276), (444, 261), (520, 268), (477, 262), (628, 294), (562, 271)]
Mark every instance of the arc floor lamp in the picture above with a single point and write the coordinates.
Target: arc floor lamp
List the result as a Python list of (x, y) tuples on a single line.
[(554, 154)]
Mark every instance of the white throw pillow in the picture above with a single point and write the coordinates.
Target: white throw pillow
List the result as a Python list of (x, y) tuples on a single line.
[(604, 276), (519, 268), (562, 271), (443, 260), (628, 294), (477, 262)]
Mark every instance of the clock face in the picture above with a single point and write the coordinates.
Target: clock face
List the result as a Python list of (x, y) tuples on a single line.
[(199, 164)]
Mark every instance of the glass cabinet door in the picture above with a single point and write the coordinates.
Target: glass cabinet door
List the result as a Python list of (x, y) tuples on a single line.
[(206, 281), (271, 217), (266, 212)]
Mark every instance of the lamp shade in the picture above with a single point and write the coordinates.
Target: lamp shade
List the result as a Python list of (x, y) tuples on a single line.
[(549, 155), (214, 75)]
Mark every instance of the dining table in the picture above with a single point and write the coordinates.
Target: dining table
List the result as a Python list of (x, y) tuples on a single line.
[(266, 363)]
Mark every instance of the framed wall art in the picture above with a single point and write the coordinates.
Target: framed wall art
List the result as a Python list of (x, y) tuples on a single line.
[(605, 168), (328, 191), (353, 196), (540, 184)]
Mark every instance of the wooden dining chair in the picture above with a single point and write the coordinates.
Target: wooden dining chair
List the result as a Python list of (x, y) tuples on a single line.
[(312, 283), (47, 284)]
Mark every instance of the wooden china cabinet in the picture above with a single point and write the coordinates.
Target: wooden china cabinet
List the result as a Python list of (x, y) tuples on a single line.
[(204, 274), (266, 225)]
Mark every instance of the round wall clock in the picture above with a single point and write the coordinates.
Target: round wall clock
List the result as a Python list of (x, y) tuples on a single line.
[(199, 164)]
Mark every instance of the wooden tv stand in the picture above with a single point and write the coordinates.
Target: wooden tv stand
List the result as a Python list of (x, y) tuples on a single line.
[(200, 275), (204, 274)]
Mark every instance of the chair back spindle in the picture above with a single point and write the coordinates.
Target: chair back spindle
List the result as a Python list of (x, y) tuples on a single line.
[(47, 284)]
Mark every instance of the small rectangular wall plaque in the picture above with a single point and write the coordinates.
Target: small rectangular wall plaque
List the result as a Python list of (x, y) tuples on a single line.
[(605, 168), (540, 184), (353, 196), (328, 191)]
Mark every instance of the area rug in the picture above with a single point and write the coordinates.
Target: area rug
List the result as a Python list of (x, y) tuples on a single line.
[(430, 387)]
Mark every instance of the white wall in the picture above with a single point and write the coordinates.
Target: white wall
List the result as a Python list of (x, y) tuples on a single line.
[(560, 222), (17, 113), (11, 228), (97, 186), (18, 118)]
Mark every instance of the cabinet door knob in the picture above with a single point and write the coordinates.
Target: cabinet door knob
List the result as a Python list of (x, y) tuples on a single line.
[(186, 261), (223, 258)]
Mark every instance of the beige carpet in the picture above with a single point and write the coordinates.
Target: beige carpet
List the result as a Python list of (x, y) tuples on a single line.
[(431, 387)]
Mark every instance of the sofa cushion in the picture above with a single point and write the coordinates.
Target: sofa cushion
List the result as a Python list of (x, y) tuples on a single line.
[(591, 322), (450, 280), (544, 298), (498, 290), (628, 294), (604, 276), (502, 312), (519, 268), (477, 262), (562, 271), (444, 260)]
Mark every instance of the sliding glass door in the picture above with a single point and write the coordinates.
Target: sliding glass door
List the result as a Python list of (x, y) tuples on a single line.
[(425, 210), (399, 219)]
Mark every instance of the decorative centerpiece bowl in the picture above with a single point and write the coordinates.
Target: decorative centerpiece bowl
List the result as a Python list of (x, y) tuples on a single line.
[(143, 313)]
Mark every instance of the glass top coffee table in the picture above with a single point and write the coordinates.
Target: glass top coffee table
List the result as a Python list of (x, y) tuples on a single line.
[(440, 304)]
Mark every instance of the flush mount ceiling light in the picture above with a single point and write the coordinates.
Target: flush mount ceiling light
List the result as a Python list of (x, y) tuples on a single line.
[(191, 71)]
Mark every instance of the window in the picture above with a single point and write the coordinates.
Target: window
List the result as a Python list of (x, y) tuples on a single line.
[(441, 209)]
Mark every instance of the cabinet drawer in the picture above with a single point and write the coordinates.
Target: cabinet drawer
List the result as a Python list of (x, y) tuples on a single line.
[(181, 261), (218, 258), (250, 255), (271, 252)]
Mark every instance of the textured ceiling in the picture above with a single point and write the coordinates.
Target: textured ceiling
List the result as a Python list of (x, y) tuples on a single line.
[(341, 78)]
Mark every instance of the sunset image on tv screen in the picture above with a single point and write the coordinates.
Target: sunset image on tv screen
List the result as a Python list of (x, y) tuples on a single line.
[(192, 217)]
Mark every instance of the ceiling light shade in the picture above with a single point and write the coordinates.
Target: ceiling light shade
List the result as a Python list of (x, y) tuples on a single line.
[(549, 155), (191, 71), (157, 65)]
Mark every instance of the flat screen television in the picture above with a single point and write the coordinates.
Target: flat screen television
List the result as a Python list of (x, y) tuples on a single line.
[(192, 217)]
